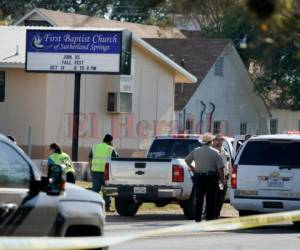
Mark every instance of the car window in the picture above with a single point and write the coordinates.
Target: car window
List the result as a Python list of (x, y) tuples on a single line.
[(14, 170), (170, 148), (272, 153)]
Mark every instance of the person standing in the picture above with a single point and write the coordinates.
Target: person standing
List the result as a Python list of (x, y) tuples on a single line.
[(209, 167), (222, 190), (58, 157), (99, 156)]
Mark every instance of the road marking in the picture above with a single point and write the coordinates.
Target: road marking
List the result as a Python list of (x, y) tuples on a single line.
[(82, 243)]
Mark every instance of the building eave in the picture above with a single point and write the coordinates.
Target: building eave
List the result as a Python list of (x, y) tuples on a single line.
[(34, 11), (12, 65), (181, 74)]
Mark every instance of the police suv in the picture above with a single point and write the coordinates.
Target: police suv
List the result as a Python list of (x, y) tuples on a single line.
[(266, 175)]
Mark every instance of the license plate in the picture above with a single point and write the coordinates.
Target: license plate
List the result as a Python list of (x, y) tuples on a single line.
[(140, 190), (276, 183)]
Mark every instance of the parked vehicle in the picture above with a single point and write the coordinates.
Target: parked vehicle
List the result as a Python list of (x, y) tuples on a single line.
[(32, 205), (161, 178), (238, 142), (266, 175)]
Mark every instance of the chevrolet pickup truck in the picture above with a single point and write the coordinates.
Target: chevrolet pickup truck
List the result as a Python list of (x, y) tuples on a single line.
[(161, 178)]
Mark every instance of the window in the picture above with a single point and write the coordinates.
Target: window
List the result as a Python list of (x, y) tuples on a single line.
[(299, 125), (112, 101), (2, 86), (219, 66), (125, 102), (271, 153), (37, 23), (243, 128), (119, 102), (273, 126), (189, 124), (170, 148), (217, 127), (14, 170)]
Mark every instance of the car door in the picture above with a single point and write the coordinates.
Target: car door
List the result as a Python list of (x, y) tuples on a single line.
[(22, 214)]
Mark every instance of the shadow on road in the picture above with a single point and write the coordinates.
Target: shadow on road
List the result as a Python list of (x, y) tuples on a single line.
[(273, 229), (145, 218)]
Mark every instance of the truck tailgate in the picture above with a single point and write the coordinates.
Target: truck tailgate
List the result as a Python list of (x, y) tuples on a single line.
[(140, 171)]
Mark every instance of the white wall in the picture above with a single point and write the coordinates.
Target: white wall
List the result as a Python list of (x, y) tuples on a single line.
[(287, 119), (153, 99), (233, 97), (24, 106)]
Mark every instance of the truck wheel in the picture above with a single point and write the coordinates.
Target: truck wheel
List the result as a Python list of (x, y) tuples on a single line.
[(126, 207), (188, 207)]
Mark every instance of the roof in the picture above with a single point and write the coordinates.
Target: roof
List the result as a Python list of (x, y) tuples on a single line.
[(63, 19), (276, 137), (179, 136), (197, 56), (12, 50)]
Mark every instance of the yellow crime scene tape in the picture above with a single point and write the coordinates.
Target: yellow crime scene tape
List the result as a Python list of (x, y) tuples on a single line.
[(82, 243)]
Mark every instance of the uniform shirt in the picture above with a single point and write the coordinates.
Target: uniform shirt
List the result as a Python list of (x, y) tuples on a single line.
[(225, 156), (206, 159), (113, 154)]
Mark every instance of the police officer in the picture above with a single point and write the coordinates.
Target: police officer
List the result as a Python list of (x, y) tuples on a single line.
[(98, 157), (222, 190), (58, 157), (209, 167)]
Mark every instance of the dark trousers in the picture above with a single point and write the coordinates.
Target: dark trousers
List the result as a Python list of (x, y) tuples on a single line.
[(221, 194), (206, 185), (70, 177), (98, 182)]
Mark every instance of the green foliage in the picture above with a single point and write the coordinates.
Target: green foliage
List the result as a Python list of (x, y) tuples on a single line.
[(18, 8), (125, 10), (136, 11), (273, 46)]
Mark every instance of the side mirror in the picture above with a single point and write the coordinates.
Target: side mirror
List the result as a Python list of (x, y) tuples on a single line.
[(56, 180)]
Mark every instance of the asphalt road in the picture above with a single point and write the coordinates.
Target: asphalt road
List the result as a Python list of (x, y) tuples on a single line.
[(281, 237)]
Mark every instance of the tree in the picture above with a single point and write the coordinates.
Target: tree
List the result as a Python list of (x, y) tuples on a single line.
[(204, 13), (272, 32), (125, 10), (17, 8), (136, 11)]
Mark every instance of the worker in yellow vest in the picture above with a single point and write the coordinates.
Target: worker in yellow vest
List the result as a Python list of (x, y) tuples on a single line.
[(98, 157), (58, 157)]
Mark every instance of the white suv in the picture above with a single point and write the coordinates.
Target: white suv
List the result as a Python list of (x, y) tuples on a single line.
[(266, 175)]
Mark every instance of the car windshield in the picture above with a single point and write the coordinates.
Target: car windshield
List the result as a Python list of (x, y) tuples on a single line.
[(170, 148), (271, 153)]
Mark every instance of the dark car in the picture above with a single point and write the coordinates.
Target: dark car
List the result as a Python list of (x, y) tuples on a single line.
[(32, 205)]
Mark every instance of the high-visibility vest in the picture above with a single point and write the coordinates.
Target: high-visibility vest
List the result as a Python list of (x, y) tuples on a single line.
[(101, 154), (64, 160)]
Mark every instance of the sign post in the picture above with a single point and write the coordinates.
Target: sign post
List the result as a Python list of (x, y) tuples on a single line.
[(76, 115), (79, 52)]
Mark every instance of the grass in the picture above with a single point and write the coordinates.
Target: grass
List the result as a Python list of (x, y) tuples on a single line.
[(144, 207)]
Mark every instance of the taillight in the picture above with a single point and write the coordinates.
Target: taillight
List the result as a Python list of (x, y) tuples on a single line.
[(177, 173), (106, 172), (234, 177)]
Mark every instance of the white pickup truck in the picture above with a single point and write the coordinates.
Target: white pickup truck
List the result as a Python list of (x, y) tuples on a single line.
[(161, 178)]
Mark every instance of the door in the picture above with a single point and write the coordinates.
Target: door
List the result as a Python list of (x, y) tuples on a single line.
[(20, 213)]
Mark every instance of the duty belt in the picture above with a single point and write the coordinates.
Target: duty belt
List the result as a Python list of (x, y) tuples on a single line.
[(209, 173)]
